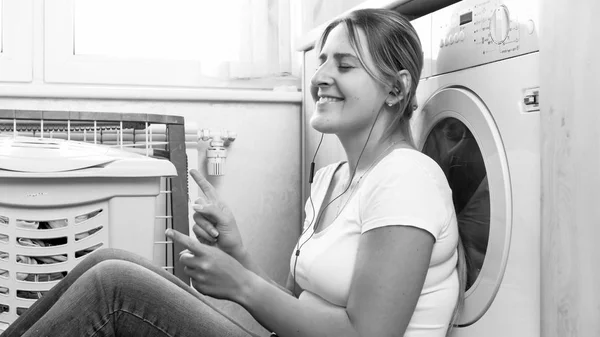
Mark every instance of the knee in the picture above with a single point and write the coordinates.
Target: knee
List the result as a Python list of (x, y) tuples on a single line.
[(105, 254), (110, 269), (103, 284), (116, 277)]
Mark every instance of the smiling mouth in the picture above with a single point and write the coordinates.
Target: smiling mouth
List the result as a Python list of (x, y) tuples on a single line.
[(327, 99)]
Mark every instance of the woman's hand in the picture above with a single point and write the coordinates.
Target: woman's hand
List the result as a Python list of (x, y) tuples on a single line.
[(213, 272), (215, 223)]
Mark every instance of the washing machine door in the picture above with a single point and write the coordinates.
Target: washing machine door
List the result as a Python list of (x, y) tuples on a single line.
[(456, 129)]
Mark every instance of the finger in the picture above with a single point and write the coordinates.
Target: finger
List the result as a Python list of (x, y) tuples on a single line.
[(190, 265), (204, 185), (202, 235), (185, 251), (178, 237), (206, 220), (200, 201), (197, 279), (194, 263), (206, 242), (209, 212)]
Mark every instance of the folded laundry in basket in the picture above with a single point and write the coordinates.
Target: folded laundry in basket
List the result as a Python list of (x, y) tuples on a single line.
[(4, 256), (37, 260), (20, 259), (51, 259), (84, 235), (84, 217), (41, 277), (57, 223), (32, 295), (40, 243), (28, 224), (30, 242), (25, 260)]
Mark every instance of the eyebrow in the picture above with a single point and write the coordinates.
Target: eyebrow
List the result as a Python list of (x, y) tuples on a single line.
[(338, 56)]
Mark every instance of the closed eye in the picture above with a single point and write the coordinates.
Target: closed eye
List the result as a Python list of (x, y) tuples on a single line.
[(341, 59)]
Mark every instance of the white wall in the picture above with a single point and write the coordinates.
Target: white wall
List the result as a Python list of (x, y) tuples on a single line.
[(570, 79)]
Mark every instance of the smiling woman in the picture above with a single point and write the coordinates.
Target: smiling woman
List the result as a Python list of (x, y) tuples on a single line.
[(379, 252)]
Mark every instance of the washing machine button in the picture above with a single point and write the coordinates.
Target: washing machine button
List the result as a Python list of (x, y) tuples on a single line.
[(530, 27), (530, 100)]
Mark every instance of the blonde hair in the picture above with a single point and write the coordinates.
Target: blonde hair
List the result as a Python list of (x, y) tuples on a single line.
[(394, 45)]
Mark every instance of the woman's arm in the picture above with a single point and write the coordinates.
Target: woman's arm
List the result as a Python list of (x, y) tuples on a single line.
[(215, 225), (390, 271), (245, 259), (393, 262)]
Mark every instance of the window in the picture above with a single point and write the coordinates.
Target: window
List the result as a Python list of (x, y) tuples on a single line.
[(1, 13), (186, 43), (16, 39)]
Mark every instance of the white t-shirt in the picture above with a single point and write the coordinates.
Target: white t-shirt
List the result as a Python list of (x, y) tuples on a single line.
[(405, 188)]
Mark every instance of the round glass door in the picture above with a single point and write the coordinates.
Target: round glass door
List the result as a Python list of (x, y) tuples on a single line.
[(452, 145), (456, 129)]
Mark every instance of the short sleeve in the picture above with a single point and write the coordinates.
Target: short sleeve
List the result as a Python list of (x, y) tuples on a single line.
[(406, 195)]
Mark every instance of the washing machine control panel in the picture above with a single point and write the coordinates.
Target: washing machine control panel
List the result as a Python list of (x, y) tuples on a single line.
[(474, 32)]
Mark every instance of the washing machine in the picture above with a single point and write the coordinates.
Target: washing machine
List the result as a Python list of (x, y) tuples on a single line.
[(479, 119)]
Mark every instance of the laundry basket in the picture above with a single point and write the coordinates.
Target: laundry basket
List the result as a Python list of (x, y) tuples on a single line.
[(59, 201), (101, 151)]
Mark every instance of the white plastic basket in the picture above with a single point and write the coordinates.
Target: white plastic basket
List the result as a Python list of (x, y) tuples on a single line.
[(60, 200)]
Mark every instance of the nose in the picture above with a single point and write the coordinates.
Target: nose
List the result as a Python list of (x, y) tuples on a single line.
[(322, 76)]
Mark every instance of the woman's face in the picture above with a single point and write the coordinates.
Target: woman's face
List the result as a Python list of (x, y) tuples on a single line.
[(347, 98)]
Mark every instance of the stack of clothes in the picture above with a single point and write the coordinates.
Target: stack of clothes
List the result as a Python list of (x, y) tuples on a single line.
[(46, 242)]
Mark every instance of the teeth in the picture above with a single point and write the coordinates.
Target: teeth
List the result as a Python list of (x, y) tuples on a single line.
[(329, 100)]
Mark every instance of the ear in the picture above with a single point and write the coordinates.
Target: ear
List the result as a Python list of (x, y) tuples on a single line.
[(400, 87)]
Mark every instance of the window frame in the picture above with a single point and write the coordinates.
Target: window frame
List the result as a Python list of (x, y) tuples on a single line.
[(16, 58), (62, 66)]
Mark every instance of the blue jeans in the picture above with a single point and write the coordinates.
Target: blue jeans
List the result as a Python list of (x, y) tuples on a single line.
[(116, 293)]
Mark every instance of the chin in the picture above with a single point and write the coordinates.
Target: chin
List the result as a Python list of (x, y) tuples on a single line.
[(322, 125)]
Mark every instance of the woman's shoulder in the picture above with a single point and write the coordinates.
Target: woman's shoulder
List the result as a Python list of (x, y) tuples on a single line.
[(410, 188), (408, 167), (403, 161)]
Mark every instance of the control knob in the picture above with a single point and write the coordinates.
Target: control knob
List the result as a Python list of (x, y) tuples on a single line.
[(499, 24)]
